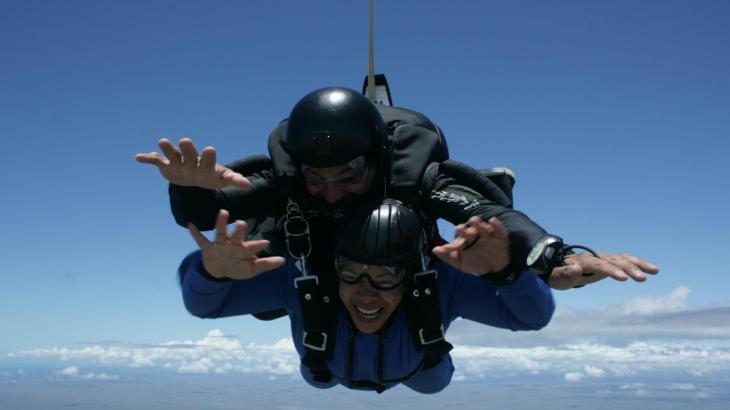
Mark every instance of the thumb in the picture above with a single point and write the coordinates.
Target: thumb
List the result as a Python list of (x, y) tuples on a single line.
[(451, 257), (198, 237), (262, 265), (240, 181), (231, 177)]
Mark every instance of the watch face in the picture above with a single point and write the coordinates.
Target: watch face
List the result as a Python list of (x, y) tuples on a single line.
[(536, 251), (539, 249)]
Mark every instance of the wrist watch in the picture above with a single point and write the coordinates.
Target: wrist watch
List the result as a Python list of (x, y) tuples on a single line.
[(545, 256), (549, 253)]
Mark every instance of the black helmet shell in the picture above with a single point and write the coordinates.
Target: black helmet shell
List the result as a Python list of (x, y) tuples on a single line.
[(384, 233), (331, 126)]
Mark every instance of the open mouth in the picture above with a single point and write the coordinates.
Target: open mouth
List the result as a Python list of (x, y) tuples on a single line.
[(368, 313)]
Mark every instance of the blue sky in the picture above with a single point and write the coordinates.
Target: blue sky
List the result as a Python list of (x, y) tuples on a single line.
[(613, 115)]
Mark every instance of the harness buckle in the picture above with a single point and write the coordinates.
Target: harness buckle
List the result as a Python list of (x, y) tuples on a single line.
[(441, 336), (424, 274), (321, 348), (305, 278)]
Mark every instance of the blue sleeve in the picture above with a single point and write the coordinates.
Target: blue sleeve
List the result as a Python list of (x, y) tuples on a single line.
[(208, 298), (526, 304)]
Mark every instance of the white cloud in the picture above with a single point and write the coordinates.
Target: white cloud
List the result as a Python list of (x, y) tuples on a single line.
[(683, 386), (203, 365), (215, 353), (70, 371), (219, 354), (704, 394), (100, 376), (631, 339), (73, 372), (588, 371), (644, 318), (676, 301), (592, 360), (593, 371)]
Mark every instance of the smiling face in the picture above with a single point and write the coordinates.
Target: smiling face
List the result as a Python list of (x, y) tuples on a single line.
[(369, 308)]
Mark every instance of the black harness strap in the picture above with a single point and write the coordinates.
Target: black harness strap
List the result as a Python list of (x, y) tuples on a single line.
[(424, 317), (319, 307), (317, 340)]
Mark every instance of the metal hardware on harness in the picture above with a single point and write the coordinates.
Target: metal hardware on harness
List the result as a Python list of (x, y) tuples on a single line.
[(305, 278), (302, 265), (437, 339), (296, 228), (298, 240), (425, 273), (320, 348)]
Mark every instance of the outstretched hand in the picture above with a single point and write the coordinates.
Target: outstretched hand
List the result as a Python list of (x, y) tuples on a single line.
[(478, 247), (232, 256), (584, 269), (182, 166)]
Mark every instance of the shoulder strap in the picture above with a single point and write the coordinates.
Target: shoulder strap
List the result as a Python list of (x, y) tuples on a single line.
[(423, 315), (319, 321), (317, 297)]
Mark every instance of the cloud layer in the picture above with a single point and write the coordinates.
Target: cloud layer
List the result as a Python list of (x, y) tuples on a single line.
[(73, 373), (650, 318), (575, 362), (643, 335), (215, 353)]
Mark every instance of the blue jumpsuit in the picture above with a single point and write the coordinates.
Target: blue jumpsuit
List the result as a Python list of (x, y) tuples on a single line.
[(386, 356)]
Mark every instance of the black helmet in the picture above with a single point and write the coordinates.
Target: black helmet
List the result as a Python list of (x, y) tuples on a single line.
[(384, 233), (332, 126)]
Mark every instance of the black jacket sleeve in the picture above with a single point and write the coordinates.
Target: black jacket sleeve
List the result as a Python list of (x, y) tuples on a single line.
[(443, 198), (200, 206)]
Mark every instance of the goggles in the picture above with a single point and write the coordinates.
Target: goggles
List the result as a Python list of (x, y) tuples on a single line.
[(381, 277), (351, 173)]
